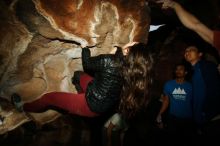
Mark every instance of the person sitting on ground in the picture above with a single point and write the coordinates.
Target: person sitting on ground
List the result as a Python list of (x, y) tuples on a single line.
[(114, 130)]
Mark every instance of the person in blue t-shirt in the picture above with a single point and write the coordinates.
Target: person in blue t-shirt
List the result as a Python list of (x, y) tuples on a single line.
[(177, 99)]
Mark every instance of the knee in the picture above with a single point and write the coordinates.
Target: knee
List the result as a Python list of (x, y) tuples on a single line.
[(76, 77)]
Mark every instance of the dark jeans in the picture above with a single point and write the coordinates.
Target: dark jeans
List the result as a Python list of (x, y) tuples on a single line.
[(210, 134), (180, 131)]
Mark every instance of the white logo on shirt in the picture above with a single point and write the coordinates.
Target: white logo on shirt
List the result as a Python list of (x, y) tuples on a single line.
[(179, 91), (179, 94)]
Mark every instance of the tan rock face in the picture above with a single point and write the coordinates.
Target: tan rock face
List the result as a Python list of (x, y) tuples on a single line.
[(40, 39)]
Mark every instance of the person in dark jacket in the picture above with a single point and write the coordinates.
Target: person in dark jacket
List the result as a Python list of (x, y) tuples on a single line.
[(206, 93), (100, 93)]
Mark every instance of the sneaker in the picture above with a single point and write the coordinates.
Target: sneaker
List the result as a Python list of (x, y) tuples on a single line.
[(76, 81), (16, 101)]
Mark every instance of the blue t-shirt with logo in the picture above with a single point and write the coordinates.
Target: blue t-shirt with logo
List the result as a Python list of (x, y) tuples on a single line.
[(180, 97)]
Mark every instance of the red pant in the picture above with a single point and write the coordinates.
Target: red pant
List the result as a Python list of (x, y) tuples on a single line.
[(73, 103)]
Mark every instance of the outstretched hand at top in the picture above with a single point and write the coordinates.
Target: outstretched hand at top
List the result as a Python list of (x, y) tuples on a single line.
[(166, 3)]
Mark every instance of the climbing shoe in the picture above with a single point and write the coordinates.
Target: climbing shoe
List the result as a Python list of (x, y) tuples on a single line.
[(16, 101)]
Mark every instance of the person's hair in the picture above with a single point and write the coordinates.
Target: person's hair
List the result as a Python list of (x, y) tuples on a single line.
[(197, 42), (136, 73), (187, 68)]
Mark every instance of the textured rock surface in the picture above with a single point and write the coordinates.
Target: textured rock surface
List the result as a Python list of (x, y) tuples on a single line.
[(40, 38)]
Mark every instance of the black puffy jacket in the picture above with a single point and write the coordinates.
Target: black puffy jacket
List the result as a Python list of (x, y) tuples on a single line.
[(102, 94)]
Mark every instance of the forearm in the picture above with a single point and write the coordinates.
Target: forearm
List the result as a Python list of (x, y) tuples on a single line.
[(85, 56), (89, 63), (191, 22), (163, 107)]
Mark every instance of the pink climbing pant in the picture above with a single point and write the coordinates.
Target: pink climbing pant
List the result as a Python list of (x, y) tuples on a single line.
[(73, 103)]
